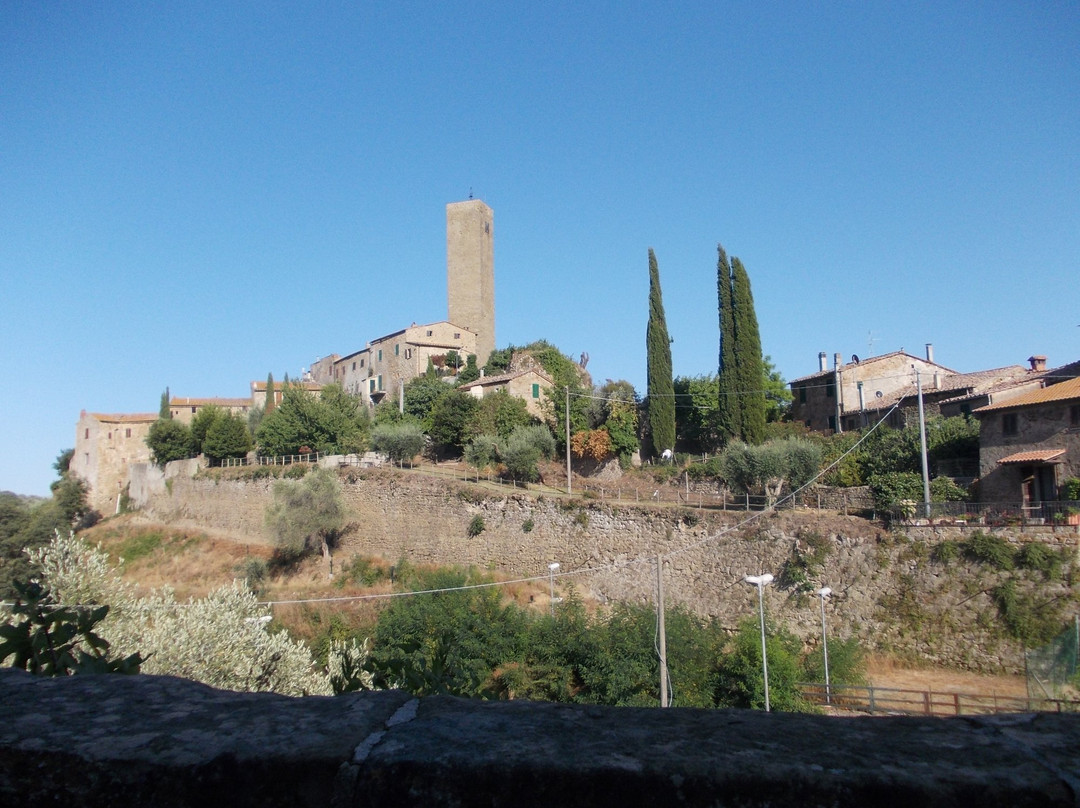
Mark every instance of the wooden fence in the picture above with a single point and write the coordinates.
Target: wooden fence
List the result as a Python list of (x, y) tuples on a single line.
[(894, 701)]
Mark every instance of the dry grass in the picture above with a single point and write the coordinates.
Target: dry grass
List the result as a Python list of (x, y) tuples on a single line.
[(882, 671)]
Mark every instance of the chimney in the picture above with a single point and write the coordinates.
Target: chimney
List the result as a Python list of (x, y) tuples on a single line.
[(481, 373), (836, 360), (1038, 363), (929, 352), (823, 363)]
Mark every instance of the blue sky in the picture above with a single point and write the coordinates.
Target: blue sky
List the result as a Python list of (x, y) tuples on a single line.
[(197, 196)]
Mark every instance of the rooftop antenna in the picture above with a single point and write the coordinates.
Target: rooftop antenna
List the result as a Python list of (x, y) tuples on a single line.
[(470, 192), (870, 340)]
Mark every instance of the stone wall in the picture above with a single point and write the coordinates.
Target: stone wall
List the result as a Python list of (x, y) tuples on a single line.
[(114, 740), (888, 590)]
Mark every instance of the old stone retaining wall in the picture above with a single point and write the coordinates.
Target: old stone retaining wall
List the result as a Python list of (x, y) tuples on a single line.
[(888, 589)]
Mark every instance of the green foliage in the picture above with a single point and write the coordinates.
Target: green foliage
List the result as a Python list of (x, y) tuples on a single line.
[(807, 559), (892, 488), (334, 423), (739, 681), (698, 426), (1070, 490), (47, 639), (163, 407), (62, 464), (778, 395), (528, 525), (661, 393), (946, 552), (305, 514), (360, 571), (169, 440), (500, 413), (200, 424), (748, 363), (449, 421), (401, 442), (1026, 617), (726, 421), (227, 436), (254, 572), (421, 394), (943, 489), (271, 394), (482, 452), (523, 450), (469, 373), (986, 548), (847, 663), (1038, 557), (770, 466), (476, 526)]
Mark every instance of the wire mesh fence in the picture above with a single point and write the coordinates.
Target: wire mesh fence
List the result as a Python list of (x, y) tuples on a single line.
[(1052, 668)]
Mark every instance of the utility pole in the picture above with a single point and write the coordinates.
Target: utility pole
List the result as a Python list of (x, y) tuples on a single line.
[(569, 481), (664, 700), (922, 446)]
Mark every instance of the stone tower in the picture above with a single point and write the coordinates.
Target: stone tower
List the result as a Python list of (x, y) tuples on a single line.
[(470, 271)]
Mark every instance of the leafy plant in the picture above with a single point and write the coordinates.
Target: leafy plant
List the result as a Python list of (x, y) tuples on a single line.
[(986, 548), (476, 526)]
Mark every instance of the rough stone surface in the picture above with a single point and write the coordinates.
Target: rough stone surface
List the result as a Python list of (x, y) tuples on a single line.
[(886, 589), (161, 741)]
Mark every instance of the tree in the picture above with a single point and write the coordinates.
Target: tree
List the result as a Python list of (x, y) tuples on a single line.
[(661, 393), (200, 425), (401, 441), (334, 423), (697, 414), (469, 373), (227, 436), (421, 394), (450, 419), (169, 440), (777, 394), (740, 682), (271, 395), (499, 413), (163, 408), (306, 514), (727, 416), (749, 368)]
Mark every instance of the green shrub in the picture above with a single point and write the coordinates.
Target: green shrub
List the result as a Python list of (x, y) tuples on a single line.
[(476, 526), (296, 471), (1070, 490), (994, 551), (528, 525), (1040, 558), (946, 552)]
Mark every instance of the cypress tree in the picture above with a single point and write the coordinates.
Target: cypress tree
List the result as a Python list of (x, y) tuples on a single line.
[(727, 420), (163, 408), (661, 390), (271, 397), (750, 371)]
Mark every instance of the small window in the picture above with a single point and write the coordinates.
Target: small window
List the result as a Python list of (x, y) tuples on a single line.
[(430, 333), (457, 335), (361, 363), (830, 389), (536, 391), (110, 436), (380, 382), (127, 433), (371, 386), (408, 353), (380, 354), (86, 435), (396, 349), (354, 366), (1010, 424), (194, 410), (802, 395), (832, 422)]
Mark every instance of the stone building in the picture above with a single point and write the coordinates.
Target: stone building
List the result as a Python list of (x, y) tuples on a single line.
[(258, 391), (527, 384), (842, 397), (185, 409), (470, 271), (1030, 444), (105, 446)]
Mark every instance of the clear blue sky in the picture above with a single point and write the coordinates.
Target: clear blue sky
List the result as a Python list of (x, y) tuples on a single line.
[(196, 196)]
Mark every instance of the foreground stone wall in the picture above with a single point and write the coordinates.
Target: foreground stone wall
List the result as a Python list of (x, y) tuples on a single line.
[(889, 591), (142, 740)]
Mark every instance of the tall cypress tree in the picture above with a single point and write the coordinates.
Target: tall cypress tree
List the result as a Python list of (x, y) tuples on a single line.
[(661, 391), (750, 371), (271, 396), (727, 420), (163, 408)]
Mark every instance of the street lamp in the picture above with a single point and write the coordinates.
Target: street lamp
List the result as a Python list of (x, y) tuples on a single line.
[(823, 593), (554, 565), (761, 581)]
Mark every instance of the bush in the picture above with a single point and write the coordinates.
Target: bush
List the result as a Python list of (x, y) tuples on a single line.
[(169, 440), (943, 489), (482, 452), (305, 514), (476, 526), (985, 548), (401, 441), (1040, 558), (1070, 490)]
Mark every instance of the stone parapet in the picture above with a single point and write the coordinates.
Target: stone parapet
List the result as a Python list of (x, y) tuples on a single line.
[(161, 741)]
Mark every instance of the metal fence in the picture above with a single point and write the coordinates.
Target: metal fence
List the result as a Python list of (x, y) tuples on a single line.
[(993, 514), (279, 460), (897, 701)]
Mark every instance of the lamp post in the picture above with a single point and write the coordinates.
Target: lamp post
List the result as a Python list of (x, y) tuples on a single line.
[(761, 581), (554, 565), (823, 593)]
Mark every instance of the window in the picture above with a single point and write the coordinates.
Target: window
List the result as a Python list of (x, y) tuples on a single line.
[(430, 333), (380, 354), (1074, 415), (86, 435), (396, 351), (127, 433), (408, 353), (110, 436), (457, 335), (832, 422), (193, 410), (354, 366), (830, 388), (371, 386), (536, 391), (380, 382), (802, 395), (1009, 424), (361, 363)]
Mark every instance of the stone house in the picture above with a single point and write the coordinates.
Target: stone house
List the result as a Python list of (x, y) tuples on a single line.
[(844, 396), (185, 409), (526, 383), (105, 446), (258, 391), (1030, 444)]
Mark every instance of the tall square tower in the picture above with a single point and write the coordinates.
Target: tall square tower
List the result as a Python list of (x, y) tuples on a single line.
[(470, 271)]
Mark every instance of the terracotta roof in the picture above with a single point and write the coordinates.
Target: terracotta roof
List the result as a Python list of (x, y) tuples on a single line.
[(505, 377), (200, 402), (1034, 456), (1062, 391), (130, 418)]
